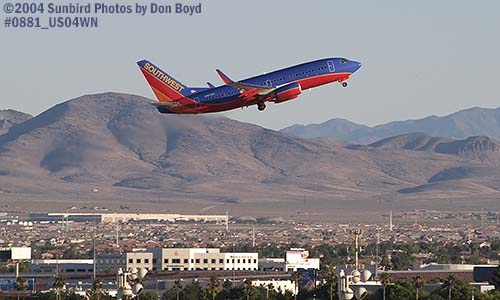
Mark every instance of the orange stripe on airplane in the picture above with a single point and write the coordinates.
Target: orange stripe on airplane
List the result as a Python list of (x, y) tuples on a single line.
[(172, 92)]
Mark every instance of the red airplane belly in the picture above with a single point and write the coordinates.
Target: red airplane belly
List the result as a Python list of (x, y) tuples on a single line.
[(315, 81)]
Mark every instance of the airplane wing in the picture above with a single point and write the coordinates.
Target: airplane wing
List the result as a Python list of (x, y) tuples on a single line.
[(262, 90), (245, 87)]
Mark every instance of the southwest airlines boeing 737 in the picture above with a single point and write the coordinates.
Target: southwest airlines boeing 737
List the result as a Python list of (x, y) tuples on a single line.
[(277, 86)]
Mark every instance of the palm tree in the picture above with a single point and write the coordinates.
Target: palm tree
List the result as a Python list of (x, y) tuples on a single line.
[(177, 288), (419, 282), (214, 287), (296, 280), (269, 287), (385, 280), (97, 289), (58, 285), (495, 279), (247, 285), (331, 277), (20, 284), (448, 284)]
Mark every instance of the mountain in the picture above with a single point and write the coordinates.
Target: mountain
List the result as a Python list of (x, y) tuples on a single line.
[(10, 117), (479, 148), (116, 148), (470, 122), (337, 129)]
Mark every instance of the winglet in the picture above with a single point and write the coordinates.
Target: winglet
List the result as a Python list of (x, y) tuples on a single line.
[(224, 78), (210, 85)]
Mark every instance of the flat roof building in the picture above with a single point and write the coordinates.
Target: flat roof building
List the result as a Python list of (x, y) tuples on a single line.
[(189, 259), (15, 253), (111, 262), (61, 265), (111, 217), (298, 258)]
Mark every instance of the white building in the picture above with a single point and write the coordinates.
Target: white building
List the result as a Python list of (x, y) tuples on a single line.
[(280, 286), (298, 258), (188, 259), (15, 253), (110, 262), (61, 265)]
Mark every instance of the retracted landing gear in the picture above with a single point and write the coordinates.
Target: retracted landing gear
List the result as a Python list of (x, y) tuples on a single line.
[(344, 84), (261, 106)]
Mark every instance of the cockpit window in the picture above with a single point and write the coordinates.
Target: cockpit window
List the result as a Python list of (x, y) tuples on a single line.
[(343, 61)]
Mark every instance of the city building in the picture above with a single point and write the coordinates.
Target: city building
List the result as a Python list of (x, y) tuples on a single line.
[(15, 253), (110, 262), (280, 286), (189, 259), (120, 217), (298, 258), (272, 264), (61, 265)]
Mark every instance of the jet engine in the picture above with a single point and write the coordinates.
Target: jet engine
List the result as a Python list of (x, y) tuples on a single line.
[(287, 92)]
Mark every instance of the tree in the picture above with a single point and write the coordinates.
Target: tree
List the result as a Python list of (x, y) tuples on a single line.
[(269, 288), (96, 292), (58, 285), (248, 287), (331, 280), (149, 296), (191, 291), (401, 260), (20, 284), (453, 289), (214, 287), (401, 290), (177, 288), (448, 284), (174, 292), (385, 280), (495, 278), (296, 281), (418, 282)]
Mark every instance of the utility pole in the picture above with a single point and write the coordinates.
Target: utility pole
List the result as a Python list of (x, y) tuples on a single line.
[(377, 260), (253, 236), (390, 220), (93, 254), (117, 239), (357, 233), (227, 221)]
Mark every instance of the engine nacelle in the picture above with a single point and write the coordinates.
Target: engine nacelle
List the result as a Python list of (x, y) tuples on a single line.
[(287, 92)]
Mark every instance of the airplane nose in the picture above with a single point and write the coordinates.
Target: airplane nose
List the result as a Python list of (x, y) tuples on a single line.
[(356, 66)]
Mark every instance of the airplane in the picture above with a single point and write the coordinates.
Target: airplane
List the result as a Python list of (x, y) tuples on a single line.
[(278, 86)]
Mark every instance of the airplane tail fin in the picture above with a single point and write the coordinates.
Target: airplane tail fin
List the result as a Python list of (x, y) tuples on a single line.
[(224, 77), (165, 87)]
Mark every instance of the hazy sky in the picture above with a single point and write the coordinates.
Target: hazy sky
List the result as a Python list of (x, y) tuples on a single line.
[(419, 57)]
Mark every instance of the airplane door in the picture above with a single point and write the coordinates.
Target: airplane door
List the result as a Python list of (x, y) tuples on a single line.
[(331, 66), (268, 82)]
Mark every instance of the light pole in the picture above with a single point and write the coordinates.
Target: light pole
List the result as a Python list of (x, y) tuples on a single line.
[(157, 295), (233, 266)]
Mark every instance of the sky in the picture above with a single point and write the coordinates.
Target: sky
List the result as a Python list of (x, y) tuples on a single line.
[(419, 58)]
